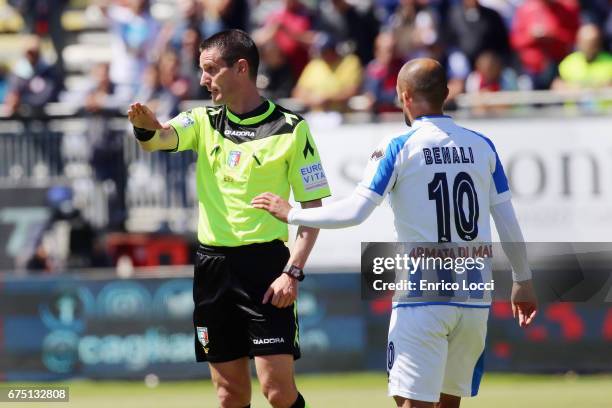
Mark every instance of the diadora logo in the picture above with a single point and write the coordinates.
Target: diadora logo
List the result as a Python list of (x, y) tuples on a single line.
[(272, 340), (239, 133)]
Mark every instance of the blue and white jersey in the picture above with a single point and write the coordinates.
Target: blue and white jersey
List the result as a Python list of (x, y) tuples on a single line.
[(441, 180)]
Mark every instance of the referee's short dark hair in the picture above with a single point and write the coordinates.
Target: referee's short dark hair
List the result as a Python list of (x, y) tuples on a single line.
[(234, 45)]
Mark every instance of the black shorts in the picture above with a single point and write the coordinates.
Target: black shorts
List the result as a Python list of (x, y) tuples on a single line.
[(229, 319)]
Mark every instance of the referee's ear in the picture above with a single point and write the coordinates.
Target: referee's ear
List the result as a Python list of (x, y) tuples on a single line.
[(242, 67)]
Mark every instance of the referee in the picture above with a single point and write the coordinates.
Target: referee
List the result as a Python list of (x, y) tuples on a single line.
[(245, 280)]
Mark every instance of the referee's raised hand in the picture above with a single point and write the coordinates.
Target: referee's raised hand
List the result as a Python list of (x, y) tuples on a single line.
[(143, 117)]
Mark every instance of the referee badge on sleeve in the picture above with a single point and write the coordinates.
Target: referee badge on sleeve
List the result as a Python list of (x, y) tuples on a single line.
[(187, 121)]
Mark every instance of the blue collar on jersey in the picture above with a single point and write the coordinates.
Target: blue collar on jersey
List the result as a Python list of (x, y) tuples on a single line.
[(432, 117)]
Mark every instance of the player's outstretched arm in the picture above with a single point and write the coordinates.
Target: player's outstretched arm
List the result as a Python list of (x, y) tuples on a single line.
[(344, 213), (151, 134), (523, 298)]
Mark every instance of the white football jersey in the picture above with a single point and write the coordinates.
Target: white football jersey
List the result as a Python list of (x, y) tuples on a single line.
[(441, 180)]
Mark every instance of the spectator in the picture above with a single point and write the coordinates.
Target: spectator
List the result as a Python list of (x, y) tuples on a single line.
[(4, 82), (176, 166), (103, 94), (134, 36), (105, 99), (291, 30), (381, 75), (590, 66), (67, 239), (607, 27), (385, 8), (39, 261), (71, 236), (454, 62), (170, 76), (275, 78), (155, 95), (189, 64), (224, 15), (543, 33), (490, 75), (191, 18), (349, 24), (505, 8), (162, 90), (42, 18), (32, 85), (330, 80), (474, 28), (34, 82), (595, 11), (414, 26)]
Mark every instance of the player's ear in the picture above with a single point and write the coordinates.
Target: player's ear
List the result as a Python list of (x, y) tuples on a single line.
[(406, 98)]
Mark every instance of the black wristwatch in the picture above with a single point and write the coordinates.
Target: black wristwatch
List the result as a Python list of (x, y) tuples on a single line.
[(295, 272)]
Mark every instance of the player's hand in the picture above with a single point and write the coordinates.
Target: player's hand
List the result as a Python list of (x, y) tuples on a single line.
[(524, 302), (273, 204), (142, 117), (282, 292)]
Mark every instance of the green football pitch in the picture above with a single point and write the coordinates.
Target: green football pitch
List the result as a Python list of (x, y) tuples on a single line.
[(346, 391)]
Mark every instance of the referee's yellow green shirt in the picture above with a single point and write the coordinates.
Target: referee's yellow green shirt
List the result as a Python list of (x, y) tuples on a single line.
[(239, 158)]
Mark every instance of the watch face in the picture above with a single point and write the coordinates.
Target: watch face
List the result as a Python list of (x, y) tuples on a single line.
[(296, 272)]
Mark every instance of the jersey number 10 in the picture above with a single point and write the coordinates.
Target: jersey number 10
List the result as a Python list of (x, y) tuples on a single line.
[(463, 187)]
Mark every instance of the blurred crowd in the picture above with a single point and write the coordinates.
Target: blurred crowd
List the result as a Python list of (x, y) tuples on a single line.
[(322, 53), (327, 55)]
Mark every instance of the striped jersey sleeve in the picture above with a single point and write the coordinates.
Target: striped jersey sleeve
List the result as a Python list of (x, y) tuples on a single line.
[(500, 190), (382, 169)]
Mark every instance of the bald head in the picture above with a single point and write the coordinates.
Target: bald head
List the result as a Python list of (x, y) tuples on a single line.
[(424, 79)]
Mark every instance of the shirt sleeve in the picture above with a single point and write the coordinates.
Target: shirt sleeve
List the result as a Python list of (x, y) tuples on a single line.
[(511, 239), (186, 127), (381, 171), (499, 191), (306, 175), (350, 211)]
